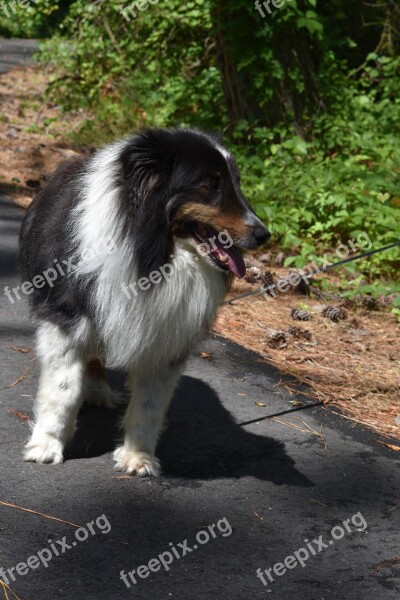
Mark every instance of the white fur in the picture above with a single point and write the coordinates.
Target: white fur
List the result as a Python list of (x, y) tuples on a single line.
[(144, 419), (60, 391)]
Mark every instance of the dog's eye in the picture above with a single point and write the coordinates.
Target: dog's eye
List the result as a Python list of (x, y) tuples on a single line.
[(215, 184)]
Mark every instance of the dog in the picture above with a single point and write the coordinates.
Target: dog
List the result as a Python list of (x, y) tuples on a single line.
[(130, 252)]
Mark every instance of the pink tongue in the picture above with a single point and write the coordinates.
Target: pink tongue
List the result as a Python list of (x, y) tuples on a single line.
[(235, 260)]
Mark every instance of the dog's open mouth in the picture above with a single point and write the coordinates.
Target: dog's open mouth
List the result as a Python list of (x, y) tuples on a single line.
[(224, 255)]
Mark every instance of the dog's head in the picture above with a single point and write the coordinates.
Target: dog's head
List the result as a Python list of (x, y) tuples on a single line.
[(183, 184)]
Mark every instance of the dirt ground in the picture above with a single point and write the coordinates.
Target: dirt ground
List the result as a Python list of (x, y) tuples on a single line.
[(33, 134), (352, 363)]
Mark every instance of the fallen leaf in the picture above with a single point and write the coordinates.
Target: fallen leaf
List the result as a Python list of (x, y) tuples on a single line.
[(390, 446), (23, 350), (206, 355), (260, 404), (296, 403), (19, 414)]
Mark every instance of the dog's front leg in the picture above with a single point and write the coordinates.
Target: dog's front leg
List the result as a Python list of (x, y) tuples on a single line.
[(59, 396), (151, 394)]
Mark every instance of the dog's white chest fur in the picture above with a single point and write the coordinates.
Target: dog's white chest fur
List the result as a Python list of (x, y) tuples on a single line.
[(158, 326)]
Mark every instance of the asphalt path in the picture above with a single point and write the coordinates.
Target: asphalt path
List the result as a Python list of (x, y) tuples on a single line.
[(15, 52)]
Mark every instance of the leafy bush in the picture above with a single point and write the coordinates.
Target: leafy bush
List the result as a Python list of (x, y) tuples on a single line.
[(157, 68), (340, 182), (38, 19), (315, 132)]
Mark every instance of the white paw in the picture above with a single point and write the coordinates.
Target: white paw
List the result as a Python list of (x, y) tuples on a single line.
[(138, 463), (98, 393), (44, 448)]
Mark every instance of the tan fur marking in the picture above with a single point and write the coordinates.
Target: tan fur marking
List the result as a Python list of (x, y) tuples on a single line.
[(233, 224), (197, 212), (211, 215)]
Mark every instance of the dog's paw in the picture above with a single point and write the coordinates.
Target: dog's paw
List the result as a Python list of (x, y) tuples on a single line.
[(136, 463), (98, 393), (44, 448)]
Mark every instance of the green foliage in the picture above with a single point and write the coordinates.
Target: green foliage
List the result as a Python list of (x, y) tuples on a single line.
[(157, 68), (37, 19), (341, 181), (310, 103)]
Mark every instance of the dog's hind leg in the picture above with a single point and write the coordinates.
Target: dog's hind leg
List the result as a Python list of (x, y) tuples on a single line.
[(143, 422), (59, 396), (96, 390)]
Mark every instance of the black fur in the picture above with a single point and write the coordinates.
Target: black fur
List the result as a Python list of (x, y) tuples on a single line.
[(45, 238)]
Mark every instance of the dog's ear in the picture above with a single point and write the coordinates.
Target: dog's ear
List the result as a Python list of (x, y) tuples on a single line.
[(147, 167), (147, 159)]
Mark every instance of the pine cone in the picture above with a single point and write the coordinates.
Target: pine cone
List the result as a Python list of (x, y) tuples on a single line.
[(267, 281), (278, 340), (300, 315), (370, 303), (334, 314), (253, 274), (297, 332)]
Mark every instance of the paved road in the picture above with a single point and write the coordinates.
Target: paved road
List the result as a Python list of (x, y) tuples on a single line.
[(271, 485), (15, 52)]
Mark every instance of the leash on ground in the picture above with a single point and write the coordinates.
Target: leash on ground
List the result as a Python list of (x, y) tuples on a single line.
[(264, 290)]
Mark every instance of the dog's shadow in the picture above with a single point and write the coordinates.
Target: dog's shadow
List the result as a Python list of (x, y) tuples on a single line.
[(202, 440)]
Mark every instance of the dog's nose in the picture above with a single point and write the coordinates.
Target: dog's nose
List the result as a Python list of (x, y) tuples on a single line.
[(261, 234)]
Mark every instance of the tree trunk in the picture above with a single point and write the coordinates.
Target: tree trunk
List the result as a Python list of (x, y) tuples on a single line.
[(290, 100)]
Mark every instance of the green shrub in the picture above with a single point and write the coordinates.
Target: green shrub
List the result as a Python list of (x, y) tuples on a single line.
[(314, 177)]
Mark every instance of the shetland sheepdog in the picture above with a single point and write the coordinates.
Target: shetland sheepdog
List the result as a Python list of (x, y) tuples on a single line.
[(129, 253)]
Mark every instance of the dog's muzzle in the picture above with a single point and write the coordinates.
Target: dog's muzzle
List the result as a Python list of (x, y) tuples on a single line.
[(258, 234)]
